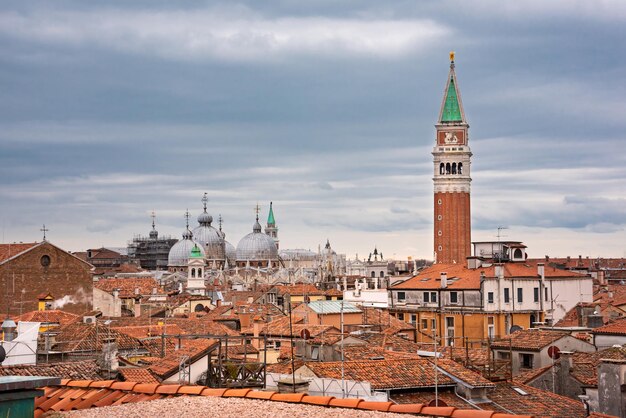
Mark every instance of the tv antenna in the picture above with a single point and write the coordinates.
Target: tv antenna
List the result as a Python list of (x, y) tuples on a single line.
[(500, 228)]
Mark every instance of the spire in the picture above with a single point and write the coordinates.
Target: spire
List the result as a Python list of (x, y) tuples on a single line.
[(153, 234), (270, 217), (452, 106), (204, 201), (257, 226)]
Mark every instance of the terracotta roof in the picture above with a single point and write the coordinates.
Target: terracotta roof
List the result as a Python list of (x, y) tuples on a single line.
[(144, 331), (85, 394), (473, 356), (53, 315), (536, 402), (389, 323), (384, 374), (369, 352), (128, 286), (79, 370), (618, 327), (528, 376), (573, 317), (528, 339), (427, 396), (202, 326), (137, 374), (10, 250), (460, 372), (299, 290), (170, 364), (585, 368), (389, 342), (282, 328), (89, 337)]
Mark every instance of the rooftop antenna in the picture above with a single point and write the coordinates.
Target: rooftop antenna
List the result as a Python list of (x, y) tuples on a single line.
[(220, 221), (44, 230), (153, 216), (500, 228)]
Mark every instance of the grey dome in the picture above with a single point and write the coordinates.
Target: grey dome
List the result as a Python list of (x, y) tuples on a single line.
[(205, 219), (231, 252), (257, 246), (179, 253), (212, 241)]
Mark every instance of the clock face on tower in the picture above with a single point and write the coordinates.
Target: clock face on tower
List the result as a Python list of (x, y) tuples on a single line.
[(452, 137)]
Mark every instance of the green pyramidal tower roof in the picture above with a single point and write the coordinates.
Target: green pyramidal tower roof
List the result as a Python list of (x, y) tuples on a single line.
[(451, 109), (270, 217), (452, 106)]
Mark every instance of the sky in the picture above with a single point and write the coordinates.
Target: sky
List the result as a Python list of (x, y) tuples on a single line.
[(112, 110)]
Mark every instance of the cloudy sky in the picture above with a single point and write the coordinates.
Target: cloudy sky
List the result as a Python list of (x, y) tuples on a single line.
[(109, 111)]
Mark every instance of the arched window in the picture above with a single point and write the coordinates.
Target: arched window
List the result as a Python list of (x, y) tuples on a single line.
[(447, 168), (373, 274), (453, 168), (442, 168), (460, 168), (199, 272), (199, 308), (532, 320), (382, 274), (193, 272), (517, 253)]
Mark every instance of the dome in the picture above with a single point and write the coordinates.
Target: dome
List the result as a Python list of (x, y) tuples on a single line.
[(212, 241), (231, 252), (180, 252), (205, 219), (154, 234), (257, 246)]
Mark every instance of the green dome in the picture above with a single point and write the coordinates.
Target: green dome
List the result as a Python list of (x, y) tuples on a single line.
[(195, 252)]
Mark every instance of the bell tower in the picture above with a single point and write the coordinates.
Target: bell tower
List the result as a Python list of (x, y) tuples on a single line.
[(451, 157)]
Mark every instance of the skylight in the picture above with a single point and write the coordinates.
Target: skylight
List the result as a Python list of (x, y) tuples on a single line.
[(520, 391)]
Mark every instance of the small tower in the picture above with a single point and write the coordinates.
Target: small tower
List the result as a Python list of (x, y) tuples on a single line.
[(270, 228), (451, 157), (195, 272)]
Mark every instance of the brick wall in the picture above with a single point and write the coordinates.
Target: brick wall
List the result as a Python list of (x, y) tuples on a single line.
[(65, 275), (452, 232)]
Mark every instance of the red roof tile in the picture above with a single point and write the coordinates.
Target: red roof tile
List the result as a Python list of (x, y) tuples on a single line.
[(10, 250), (528, 339), (618, 327)]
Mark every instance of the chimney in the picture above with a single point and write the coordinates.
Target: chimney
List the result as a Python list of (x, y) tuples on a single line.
[(611, 375), (444, 280), (547, 259), (108, 361), (256, 327), (541, 270), (567, 364), (116, 293), (569, 258), (345, 284), (137, 310), (499, 270)]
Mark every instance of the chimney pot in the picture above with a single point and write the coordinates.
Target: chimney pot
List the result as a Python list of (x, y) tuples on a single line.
[(444, 280)]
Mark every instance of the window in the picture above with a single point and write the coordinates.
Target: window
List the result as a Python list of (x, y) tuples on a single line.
[(426, 297), (45, 260), (454, 297), (526, 360), (373, 274), (504, 355), (424, 323), (491, 327), (439, 233), (536, 294), (489, 297), (520, 295), (401, 296), (382, 274), (460, 168), (546, 294), (315, 353), (433, 323), (433, 297), (517, 254), (507, 296), (277, 344), (439, 201), (450, 330), (401, 316), (413, 319), (439, 217)]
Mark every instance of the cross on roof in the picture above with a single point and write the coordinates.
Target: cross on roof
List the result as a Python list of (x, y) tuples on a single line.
[(153, 216), (187, 217), (204, 200), (44, 230), (257, 209)]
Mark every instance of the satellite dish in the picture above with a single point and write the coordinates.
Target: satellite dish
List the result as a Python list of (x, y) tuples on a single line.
[(515, 328), (3, 354)]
